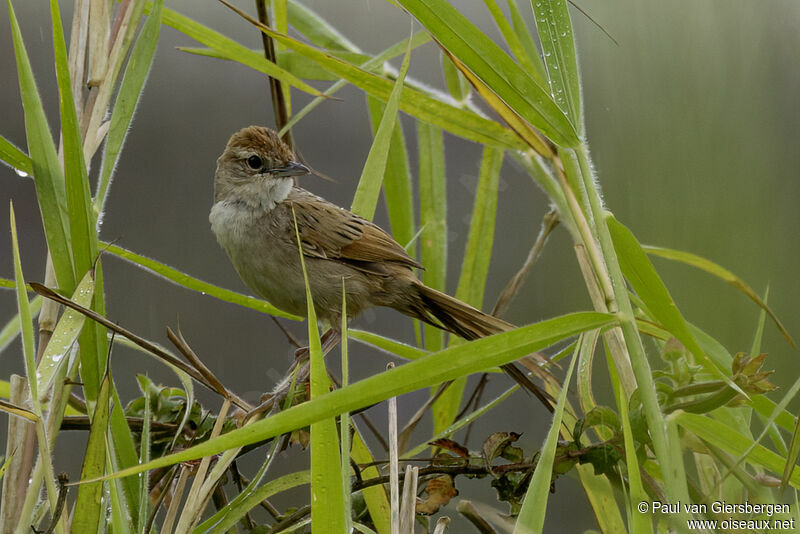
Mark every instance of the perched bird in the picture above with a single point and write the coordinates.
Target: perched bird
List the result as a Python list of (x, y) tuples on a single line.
[(253, 217)]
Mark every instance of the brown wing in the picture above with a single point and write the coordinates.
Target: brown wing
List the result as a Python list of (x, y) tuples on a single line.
[(328, 231)]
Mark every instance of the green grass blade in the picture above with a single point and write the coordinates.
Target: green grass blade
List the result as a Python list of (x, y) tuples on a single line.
[(418, 103), (791, 458), (531, 516), (64, 335), (524, 34), (220, 523), (232, 49), (369, 185), (640, 523), (372, 64), (442, 366), (457, 85), (28, 348), (651, 289), (81, 216), (317, 29), (88, 510), (474, 268), (327, 486), (12, 328), (513, 41), (725, 438), (478, 253), (558, 45), (390, 346), (494, 67), (14, 157), (432, 218), (375, 496), (130, 91), (344, 421), (47, 174), (396, 180), (189, 282), (723, 274)]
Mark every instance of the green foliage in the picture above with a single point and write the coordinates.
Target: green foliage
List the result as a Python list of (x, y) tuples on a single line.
[(680, 427)]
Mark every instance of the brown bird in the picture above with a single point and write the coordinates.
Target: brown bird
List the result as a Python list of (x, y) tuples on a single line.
[(253, 217)]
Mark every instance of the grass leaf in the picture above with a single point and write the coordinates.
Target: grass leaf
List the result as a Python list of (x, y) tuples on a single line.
[(47, 174), (723, 274), (189, 282), (436, 368), (534, 507), (651, 289), (558, 46), (432, 218), (130, 91), (369, 185), (14, 157), (494, 67)]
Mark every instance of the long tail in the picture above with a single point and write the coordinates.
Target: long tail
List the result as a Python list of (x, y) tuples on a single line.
[(461, 319)]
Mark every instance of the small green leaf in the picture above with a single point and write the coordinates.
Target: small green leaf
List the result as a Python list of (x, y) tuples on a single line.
[(397, 348), (369, 185)]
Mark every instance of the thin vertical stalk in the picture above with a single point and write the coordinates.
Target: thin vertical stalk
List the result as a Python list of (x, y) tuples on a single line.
[(676, 489)]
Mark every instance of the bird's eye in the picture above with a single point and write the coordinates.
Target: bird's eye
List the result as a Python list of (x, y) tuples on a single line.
[(254, 162)]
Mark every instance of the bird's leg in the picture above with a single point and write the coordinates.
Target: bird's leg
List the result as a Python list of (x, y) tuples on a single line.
[(329, 340)]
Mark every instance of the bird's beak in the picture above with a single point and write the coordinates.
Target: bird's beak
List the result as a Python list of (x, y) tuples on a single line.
[(293, 168)]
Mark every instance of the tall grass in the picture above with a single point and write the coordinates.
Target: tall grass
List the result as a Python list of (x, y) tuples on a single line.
[(682, 429)]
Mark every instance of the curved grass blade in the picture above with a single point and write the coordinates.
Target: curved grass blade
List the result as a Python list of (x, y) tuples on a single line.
[(130, 92), (369, 185), (14, 157), (220, 522), (531, 516), (436, 368), (524, 35), (558, 46), (414, 101), (47, 174), (514, 41), (232, 49), (724, 437), (189, 282), (494, 67), (723, 274), (644, 279)]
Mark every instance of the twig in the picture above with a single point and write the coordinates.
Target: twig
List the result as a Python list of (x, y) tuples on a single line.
[(279, 107), (292, 519), (289, 336), (468, 510), (463, 469), (549, 222)]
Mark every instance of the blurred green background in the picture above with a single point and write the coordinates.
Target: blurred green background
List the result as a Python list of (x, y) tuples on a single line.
[(693, 120)]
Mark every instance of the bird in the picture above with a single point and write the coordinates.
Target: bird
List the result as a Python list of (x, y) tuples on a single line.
[(258, 216)]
